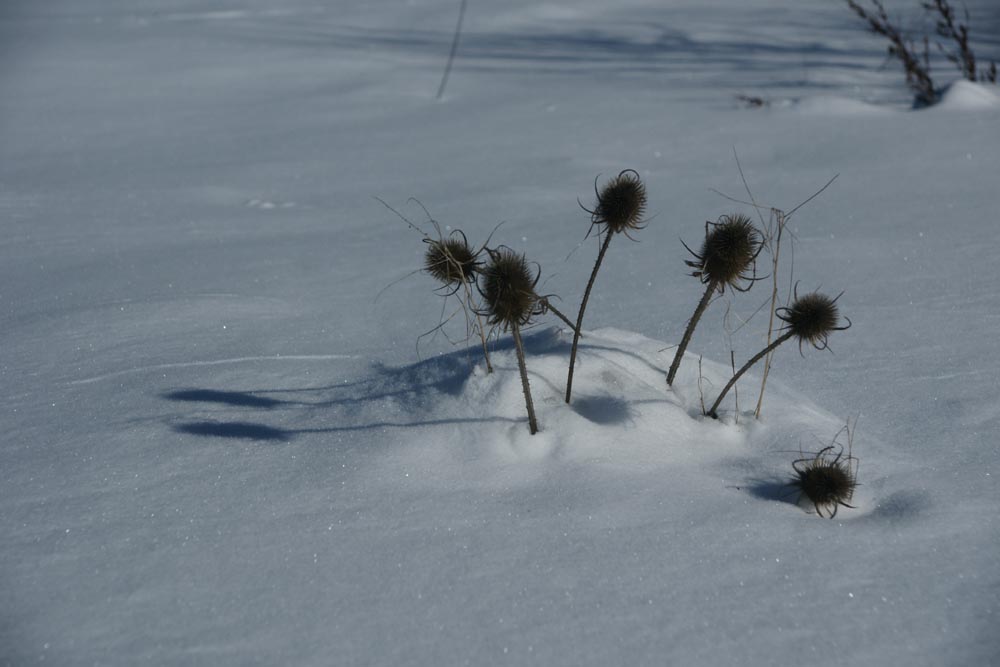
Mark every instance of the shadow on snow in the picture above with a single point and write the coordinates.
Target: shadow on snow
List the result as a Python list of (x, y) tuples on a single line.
[(416, 389)]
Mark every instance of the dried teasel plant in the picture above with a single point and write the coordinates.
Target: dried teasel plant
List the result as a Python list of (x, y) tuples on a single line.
[(507, 286), (728, 258), (811, 318), (827, 479), (619, 209), (773, 231), (453, 262)]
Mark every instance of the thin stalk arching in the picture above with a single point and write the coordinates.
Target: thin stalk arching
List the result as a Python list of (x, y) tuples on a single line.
[(692, 323), (583, 307), (757, 357), (453, 51), (532, 422)]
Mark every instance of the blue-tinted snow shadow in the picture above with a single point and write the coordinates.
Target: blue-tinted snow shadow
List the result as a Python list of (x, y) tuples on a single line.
[(234, 398), (414, 389), (772, 488), (604, 410), (735, 58), (252, 431), (899, 507), (235, 430)]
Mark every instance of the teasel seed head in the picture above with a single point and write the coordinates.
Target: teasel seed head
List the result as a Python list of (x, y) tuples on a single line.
[(451, 261), (812, 318), (827, 480), (728, 253), (508, 289), (621, 203)]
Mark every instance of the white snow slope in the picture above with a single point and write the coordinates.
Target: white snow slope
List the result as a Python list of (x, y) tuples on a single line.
[(219, 448)]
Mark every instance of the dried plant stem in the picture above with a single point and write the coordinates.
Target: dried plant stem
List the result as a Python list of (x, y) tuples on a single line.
[(482, 338), (780, 223), (482, 329), (583, 307), (557, 313), (736, 389), (916, 66), (757, 357), (532, 422), (701, 394), (454, 50), (702, 305)]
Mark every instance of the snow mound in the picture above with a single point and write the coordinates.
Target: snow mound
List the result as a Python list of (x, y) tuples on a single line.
[(968, 96), (623, 419)]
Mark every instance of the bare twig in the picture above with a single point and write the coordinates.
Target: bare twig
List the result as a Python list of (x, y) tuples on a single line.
[(916, 68), (454, 50), (529, 404), (736, 390), (948, 28), (583, 308), (701, 394)]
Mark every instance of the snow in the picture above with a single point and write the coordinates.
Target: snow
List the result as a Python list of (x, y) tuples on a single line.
[(964, 95), (221, 448)]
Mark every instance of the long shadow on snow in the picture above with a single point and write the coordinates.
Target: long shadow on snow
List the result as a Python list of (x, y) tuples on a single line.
[(235, 398), (740, 59), (774, 488), (417, 387), (252, 431)]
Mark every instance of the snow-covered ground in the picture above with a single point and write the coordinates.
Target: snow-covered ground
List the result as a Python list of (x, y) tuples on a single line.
[(220, 448)]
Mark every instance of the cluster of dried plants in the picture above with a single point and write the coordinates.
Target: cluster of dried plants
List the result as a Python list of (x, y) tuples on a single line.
[(496, 288), (914, 56)]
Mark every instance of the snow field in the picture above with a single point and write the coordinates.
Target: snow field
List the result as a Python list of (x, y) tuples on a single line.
[(219, 448)]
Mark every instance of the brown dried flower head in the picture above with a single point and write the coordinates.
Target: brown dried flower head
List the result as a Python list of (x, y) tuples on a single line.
[(508, 288), (621, 204), (812, 318), (827, 480), (451, 261), (728, 253)]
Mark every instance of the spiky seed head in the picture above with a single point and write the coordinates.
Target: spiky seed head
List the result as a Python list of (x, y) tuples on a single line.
[(509, 289), (450, 261), (828, 481), (812, 318), (621, 203), (728, 252)]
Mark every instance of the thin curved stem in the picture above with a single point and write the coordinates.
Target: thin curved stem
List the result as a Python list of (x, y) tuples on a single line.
[(454, 50), (557, 313), (775, 255), (583, 307), (757, 357), (532, 422), (692, 323), (482, 330)]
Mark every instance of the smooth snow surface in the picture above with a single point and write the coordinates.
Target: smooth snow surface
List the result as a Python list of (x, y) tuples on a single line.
[(965, 95), (223, 447)]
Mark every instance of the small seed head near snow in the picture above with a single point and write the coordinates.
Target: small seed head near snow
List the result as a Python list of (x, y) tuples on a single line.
[(728, 252), (812, 318), (450, 261), (621, 203), (509, 289), (828, 481)]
